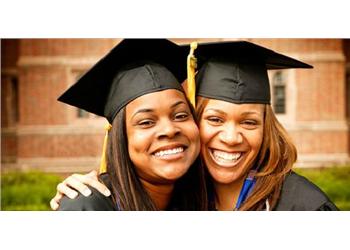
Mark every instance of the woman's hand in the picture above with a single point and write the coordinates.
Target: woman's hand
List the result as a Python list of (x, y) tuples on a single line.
[(78, 183)]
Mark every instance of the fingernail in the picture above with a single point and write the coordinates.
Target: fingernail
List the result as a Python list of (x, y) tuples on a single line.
[(86, 192), (55, 206), (107, 192), (73, 195)]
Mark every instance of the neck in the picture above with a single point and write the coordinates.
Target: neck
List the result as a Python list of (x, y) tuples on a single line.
[(227, 194), (159, 193)]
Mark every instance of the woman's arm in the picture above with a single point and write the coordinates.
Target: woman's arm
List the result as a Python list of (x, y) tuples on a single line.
[(95, 202), (78, 183)]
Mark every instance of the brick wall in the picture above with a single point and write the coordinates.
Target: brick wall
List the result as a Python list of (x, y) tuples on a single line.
[(48, 135), (9, 74)]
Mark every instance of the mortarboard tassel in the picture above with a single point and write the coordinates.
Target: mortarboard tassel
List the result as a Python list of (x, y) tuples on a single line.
[(103, 165), (191, 72)]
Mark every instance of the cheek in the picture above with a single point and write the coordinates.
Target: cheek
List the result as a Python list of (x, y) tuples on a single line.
[(191, 130), (138, 142), (255, 140), (206, 133), (196, 137)]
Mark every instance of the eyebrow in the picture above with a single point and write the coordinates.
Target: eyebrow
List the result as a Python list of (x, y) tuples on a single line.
[(244, 113), (251, 113), (177, 103), (216, 110), (146, 110)]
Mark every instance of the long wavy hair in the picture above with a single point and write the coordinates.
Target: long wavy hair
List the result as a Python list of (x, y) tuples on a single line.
[(274, 160), (127, 190)]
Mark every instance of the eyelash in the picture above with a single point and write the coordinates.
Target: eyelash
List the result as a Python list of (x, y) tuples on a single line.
[(146, 123), (246, 123), (250, 122), (183, 116), (214, 119)]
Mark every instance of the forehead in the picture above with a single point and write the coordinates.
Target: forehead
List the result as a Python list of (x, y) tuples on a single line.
[(229, 107), (155, 100)]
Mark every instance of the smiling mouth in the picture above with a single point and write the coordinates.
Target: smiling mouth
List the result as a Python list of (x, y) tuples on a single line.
[(169, 153), (226, 159)]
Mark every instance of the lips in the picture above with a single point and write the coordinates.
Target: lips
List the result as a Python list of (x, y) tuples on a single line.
[(226, 159), (169, 151)]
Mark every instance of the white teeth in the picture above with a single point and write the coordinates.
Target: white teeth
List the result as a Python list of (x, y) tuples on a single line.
[(220, 155), (169, 152)]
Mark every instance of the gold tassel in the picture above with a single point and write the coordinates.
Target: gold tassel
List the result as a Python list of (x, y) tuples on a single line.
[(103, 165), (191, 73)]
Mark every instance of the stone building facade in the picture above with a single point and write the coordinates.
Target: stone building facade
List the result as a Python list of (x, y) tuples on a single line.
[(37, 132)]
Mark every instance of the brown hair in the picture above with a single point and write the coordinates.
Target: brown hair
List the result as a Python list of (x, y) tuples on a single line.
[(128, 192), (275, 159)]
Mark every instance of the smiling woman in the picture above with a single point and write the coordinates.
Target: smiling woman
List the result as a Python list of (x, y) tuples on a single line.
[(163, 139), (153, 142), (231, 138), (247, 152), (162, 142)]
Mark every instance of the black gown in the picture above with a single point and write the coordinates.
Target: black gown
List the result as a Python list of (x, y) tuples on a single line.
[(94, 202), (299, 194), (98, 202)]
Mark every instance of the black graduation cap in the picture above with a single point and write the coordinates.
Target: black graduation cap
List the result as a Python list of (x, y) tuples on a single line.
[(131, 69), (237, 71)]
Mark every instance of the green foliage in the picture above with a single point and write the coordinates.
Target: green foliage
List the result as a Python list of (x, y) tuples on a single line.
[(34, 190), (335, 182), (28, 191)]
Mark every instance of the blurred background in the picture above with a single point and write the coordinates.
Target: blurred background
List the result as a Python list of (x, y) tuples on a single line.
[(43, 141)]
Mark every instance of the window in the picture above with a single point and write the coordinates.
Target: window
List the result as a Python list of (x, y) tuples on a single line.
[(82, 113), (347, 95), (9, 99), (14, 99), (279, 93)]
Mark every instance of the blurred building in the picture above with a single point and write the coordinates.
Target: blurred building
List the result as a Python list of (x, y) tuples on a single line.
[(39, 132)]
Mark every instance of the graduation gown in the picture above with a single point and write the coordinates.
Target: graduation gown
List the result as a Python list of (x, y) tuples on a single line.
[(94, 202), (97, 201), (299, 194)]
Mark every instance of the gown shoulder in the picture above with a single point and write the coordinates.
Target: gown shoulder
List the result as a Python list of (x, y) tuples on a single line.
[(300, 194), (94, 202)]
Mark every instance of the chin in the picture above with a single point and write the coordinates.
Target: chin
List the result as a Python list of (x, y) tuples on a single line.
[(224, 179), (223, 176), (172, 173)]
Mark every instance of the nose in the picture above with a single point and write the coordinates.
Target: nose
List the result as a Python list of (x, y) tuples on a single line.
[(231, 135), (168, 129)]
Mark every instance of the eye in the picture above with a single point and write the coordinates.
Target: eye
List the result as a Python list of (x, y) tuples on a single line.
[(249, 124), (146, 123), (182, 116), (214, 120)]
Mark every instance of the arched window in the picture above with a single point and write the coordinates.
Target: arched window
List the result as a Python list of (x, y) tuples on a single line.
[(10, 98), (347, 94), (279, 93), (15, 98)]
